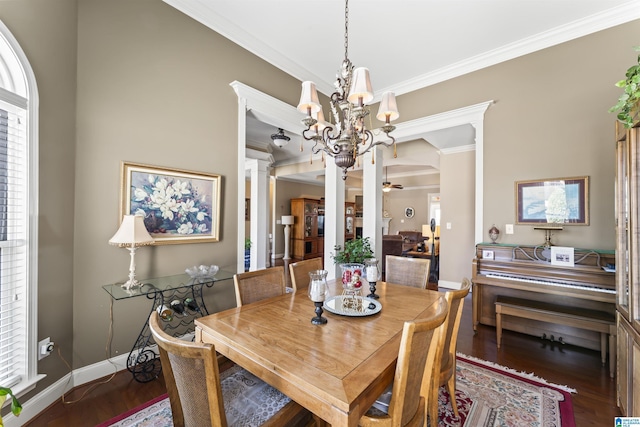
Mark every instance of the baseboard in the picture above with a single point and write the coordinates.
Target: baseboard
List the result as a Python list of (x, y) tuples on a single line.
[(449, 285), (41, 401)]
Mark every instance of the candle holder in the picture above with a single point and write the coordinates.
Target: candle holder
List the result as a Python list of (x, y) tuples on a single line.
[(373, 275), (318, 320), (318, 291)]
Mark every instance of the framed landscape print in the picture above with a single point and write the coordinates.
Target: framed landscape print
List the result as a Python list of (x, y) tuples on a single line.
[(178, 206), (562, 201)]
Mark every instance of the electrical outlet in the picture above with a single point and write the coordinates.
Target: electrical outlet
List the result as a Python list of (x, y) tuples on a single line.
[(45, 347), (509, 228)]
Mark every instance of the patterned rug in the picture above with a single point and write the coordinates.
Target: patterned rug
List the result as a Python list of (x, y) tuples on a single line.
[(488, 395)]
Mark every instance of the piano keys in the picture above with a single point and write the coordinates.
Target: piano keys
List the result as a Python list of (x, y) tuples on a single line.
[(525, 272)]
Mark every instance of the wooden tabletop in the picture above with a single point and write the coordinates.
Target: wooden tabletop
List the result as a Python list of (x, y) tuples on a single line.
[(336, 370)]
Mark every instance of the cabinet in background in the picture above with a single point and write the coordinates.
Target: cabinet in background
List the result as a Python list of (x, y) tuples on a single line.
[(349, 221), (307, 240), (628, 268), (308, 227)]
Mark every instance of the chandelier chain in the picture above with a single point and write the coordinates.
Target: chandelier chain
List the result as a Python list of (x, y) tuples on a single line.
[(346, 29), (349, 137)]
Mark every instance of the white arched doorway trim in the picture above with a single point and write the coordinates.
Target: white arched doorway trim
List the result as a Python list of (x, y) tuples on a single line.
[(280, 114), (471, 115), (270, 110)]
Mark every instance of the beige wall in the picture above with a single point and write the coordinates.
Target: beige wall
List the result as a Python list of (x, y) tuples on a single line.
[(549, 120), (458, 209), (395, 202), (46, 31), (152, 86)]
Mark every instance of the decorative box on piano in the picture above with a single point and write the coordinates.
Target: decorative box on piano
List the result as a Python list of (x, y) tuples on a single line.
[(526, 272)]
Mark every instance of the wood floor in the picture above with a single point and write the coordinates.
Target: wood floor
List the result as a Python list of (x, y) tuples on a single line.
[(594, 403)]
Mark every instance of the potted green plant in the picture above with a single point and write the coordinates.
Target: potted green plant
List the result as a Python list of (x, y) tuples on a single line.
[(16, 408), (628, 103), (351, 258), (355, 251)]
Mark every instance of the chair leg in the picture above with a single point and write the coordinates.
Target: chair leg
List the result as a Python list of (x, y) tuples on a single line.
[(451, 388), (432, 411)]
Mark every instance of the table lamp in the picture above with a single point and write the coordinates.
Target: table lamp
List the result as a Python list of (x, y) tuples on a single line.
[(287, 221), (131, 234)]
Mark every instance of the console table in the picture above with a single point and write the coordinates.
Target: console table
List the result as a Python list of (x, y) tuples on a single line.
[(185, 293)]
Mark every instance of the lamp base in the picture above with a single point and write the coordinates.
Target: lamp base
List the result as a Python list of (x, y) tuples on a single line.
[(129, 284)]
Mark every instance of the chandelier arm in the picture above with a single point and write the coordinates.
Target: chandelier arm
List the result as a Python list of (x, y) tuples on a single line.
[(374, 144)]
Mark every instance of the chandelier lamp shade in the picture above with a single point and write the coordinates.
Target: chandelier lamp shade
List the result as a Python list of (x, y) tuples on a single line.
[(350, 137), (131, 234)]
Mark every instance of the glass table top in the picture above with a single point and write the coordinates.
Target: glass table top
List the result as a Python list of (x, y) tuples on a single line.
[(167, 283)]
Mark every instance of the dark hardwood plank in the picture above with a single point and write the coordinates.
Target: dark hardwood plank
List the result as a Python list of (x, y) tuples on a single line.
[(594, 403), (102, 403), (579, 368)]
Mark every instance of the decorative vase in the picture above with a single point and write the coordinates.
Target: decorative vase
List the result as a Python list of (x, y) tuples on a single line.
[(247, 259), (349, 270), (494, 233)]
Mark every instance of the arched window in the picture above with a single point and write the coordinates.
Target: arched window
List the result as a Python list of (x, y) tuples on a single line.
[(18, 216)]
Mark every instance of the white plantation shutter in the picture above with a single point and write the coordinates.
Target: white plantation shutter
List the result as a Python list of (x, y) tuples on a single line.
[(13, 239), (18, 217)]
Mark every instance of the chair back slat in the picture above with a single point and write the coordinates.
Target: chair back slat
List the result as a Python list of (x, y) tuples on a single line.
[(299, 272), (192, 378), (257, 285), (195, 392), (407, 407), (407, 271), (445, 364)]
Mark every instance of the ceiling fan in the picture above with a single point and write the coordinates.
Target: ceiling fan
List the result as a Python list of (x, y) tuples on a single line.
[(387, 186)]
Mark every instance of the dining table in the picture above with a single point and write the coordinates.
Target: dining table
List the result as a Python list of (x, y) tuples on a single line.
[(336, 370)]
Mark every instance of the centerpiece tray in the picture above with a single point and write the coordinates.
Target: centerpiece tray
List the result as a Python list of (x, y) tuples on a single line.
[(336, 305)]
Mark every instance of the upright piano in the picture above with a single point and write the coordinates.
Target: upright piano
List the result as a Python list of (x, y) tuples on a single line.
[(526, 272)]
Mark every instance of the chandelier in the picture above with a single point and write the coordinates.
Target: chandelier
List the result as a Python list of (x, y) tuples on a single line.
[(350, 138)]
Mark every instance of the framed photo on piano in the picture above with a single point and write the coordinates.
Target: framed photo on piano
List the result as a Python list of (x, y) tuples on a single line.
[(562, 256), (563, 201)]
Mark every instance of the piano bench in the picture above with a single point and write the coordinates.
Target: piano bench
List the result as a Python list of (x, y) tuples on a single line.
[(582, 318)]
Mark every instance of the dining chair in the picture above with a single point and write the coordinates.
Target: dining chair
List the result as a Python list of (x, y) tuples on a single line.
[(196, 394), (407, 271), (299, 272), (445, 364), (253, 286), (402, 403)]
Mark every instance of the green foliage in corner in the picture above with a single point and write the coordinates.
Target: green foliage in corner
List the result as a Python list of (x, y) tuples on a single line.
[(16, 408), (628, 103)]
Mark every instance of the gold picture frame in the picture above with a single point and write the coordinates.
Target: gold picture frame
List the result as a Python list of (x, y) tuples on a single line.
[(179, 206)]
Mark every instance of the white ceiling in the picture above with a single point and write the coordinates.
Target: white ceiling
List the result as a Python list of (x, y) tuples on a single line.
[(406, 44)]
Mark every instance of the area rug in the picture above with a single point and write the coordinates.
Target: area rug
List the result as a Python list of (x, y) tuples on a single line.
[(488, 395)]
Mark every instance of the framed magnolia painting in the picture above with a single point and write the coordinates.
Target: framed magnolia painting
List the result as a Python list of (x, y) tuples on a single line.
[(178, 206)]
